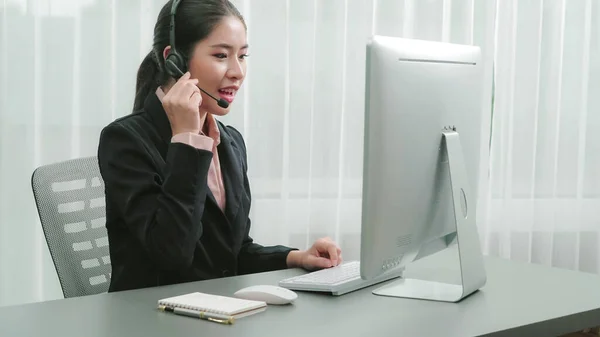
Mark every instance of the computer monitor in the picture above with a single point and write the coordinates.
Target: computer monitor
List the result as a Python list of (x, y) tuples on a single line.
[(422, 139)]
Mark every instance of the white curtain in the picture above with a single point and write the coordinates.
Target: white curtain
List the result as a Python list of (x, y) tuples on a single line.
[(544, 205), (68, 69)]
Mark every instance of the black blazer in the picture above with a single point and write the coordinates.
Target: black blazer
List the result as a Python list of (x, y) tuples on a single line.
[(163, 223)]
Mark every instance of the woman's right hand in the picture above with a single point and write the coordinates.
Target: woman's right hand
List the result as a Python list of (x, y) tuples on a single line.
[(182, 104)]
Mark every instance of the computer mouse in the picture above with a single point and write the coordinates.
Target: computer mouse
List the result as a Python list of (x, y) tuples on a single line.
[(267, 293)]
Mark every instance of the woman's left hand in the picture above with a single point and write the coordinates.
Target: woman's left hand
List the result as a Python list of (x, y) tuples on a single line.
[(324, 253)]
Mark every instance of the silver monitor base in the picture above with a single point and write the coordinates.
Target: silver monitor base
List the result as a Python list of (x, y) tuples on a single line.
[(472, 271)]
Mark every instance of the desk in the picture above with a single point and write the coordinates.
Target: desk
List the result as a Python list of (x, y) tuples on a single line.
[(518, 300)]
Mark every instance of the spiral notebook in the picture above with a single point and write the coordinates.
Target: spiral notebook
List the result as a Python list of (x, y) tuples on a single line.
[(223, 305)]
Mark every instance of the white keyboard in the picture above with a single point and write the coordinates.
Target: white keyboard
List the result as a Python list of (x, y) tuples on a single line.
[(344, 272), (337, 280)]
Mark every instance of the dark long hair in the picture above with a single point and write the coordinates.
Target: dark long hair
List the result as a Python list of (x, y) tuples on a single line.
[(194, 21)]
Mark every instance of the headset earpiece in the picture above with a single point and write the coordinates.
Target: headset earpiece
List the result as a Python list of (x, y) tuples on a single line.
[(175, 65)]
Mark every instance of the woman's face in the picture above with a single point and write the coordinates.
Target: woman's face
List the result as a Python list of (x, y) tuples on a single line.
[(218, 62)]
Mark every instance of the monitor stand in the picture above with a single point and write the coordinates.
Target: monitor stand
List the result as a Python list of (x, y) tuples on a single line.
[(470, 258)]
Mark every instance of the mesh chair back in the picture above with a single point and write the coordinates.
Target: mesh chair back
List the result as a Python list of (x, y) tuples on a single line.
[(70, 201)]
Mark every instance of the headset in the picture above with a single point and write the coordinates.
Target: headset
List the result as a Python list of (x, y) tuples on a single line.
[(175, 63)]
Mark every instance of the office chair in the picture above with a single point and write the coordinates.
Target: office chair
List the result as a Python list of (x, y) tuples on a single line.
[(70, 201)]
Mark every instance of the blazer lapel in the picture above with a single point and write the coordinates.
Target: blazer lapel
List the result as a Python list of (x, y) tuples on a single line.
[(212, 198), (232, 172)]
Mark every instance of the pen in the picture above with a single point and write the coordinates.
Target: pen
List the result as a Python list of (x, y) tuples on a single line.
[(223, 319)]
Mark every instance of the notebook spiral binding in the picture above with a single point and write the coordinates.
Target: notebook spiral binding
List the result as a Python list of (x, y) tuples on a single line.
[(189, 307)]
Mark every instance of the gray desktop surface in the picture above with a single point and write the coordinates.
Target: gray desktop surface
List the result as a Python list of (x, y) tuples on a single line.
[(518, 300)]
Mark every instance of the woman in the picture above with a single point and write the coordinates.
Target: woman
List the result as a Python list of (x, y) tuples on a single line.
[(177, 193)]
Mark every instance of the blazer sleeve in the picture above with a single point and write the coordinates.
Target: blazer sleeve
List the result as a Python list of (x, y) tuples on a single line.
[(163, 211), (253, 257)]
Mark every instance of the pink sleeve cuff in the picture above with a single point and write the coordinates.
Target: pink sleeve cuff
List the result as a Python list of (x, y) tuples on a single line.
[(195, 140)]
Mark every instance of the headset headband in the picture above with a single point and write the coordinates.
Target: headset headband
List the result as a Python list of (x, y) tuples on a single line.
[(172, 25)]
